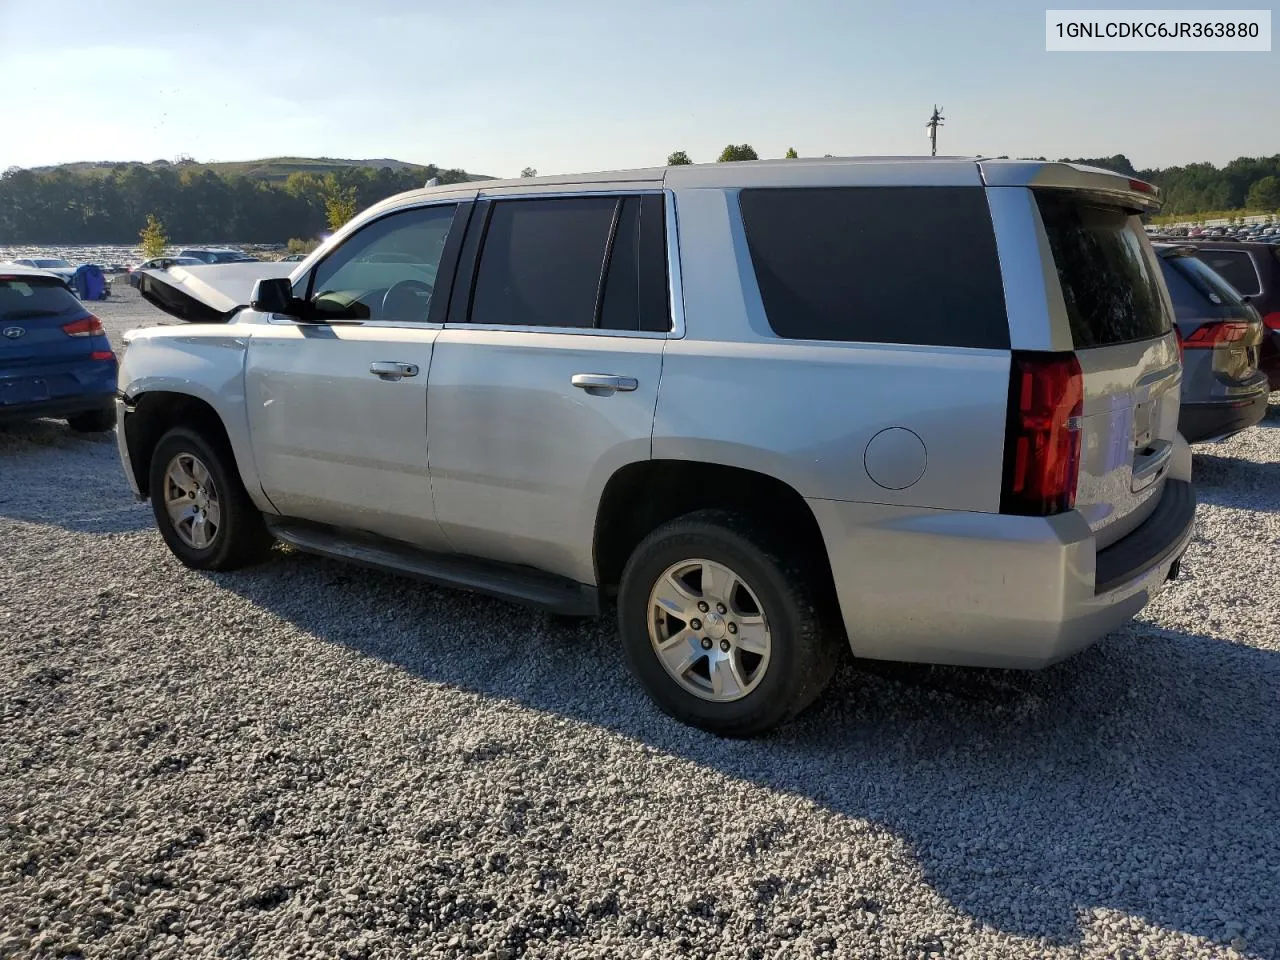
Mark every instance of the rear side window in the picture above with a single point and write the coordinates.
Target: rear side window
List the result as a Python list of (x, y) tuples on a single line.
[(590, 262), (1236, 267), (913, 265), (1107, 272), (22, 297)]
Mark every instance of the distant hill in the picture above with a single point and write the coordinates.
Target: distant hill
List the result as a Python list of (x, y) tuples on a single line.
[(271, 169)]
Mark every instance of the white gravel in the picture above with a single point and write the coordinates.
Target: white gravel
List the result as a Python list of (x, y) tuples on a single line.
[(307, 759)]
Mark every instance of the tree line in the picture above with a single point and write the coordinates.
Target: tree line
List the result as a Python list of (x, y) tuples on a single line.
[(195, 204), (199, 205)]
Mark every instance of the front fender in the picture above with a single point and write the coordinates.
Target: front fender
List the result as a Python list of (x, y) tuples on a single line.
[(202, 361)]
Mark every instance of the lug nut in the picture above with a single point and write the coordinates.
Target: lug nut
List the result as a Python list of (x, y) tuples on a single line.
[(695, 624), (724, 645), (702, 605), (706, 643), (733, 628), (721, 608)]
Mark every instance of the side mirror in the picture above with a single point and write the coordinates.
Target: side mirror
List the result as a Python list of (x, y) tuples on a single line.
[(274, 295)]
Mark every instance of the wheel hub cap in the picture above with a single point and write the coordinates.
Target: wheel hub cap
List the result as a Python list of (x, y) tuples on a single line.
[(718, 656), (191, 501)]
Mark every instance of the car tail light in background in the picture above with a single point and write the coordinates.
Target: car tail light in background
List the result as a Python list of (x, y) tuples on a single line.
[(1209, 335), (1042, 434), (1272, 321), (89, 326)]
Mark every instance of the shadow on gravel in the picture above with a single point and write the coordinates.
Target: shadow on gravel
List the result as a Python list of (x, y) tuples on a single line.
[(1140, 776), (1242, 484), (51, 475)]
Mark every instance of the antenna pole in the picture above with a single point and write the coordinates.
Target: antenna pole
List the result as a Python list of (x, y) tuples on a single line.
[(935, 121)]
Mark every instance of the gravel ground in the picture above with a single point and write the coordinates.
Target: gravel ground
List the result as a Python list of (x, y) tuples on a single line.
[(312, 760)]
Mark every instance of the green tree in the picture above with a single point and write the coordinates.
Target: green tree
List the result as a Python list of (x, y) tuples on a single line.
[(1264, 194), (153, 238), (528, 172), (741, 151), (791, 154), (678, 159), (339, 201)]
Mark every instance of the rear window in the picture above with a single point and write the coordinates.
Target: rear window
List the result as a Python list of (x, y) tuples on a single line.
[(913, 265), (34, 297), (1109, 279), (1236, 267), (1209, 284)]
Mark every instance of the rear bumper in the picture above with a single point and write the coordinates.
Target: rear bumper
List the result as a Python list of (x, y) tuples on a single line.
[(56, 408), (992, 590), (1203, 422)]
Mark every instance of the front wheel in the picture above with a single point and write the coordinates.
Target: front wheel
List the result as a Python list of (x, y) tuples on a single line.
[(200, 505), (721, 627)]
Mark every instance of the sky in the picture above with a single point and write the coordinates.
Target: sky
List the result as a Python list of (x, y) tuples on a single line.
[(493, 86)]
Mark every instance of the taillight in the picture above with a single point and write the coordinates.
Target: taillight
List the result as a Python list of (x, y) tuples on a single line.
[(1272, 320), (102, 355), (1209, 335), (1042, 434), (89, 326)]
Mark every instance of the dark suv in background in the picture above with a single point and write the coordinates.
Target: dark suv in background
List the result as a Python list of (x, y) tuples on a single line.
[(1223, 391), (1254, 270)]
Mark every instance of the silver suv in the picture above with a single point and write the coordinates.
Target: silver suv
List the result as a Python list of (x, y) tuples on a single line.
[(724, 395)]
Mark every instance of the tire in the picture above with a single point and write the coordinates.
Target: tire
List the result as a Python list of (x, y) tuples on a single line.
[(770, 689), (239, 537), (92, 421)]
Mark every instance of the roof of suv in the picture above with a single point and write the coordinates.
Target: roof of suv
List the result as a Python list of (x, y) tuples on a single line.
[(823, 171)]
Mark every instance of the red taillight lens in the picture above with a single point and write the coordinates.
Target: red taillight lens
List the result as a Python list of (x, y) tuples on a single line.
[(1209, 335), (1141, 186), (1042, 434), (102, 355), (89, 326), (1272, 320)]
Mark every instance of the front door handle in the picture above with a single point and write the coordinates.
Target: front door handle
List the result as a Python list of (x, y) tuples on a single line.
[(393, 370), (603, 384)]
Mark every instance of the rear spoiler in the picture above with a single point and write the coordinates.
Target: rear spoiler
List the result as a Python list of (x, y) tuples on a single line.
[(212, 293), (1131, 192)]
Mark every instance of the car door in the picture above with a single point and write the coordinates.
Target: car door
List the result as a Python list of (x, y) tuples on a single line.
[(337, 407), (545, 379)]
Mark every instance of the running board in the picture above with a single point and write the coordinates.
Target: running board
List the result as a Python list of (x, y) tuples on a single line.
[(518, 584)]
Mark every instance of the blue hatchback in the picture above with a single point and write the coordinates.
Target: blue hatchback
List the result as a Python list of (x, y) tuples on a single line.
[(55, 359)]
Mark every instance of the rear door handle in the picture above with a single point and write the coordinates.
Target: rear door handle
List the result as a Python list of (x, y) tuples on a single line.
[(393, 370), (601, 384), (1148, 463)]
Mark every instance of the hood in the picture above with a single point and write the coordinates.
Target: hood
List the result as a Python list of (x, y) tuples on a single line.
[(209, 293)]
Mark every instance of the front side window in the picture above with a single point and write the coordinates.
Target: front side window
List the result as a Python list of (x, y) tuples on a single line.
[(385, 272)]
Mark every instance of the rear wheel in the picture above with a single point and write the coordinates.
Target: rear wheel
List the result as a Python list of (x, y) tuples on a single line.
[(92, 421), (721, 627), (200, 505)]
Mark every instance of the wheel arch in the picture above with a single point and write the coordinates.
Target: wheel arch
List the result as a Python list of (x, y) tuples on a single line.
[(150, 415), (641, 496)]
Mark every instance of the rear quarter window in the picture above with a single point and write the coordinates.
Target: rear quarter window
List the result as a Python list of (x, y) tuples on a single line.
[(910, 265), (1107, 271)]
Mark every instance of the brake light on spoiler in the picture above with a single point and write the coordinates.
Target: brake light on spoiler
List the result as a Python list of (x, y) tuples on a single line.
[(1042, 434)]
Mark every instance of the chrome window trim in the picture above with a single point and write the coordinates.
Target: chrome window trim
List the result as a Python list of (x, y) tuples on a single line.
[(675, 289)]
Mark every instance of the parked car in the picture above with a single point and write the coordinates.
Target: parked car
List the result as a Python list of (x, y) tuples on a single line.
[(161, 263), (293, 258), (214, 255), (1254, 270), (55, 265), (55, 359), (767, 433), (1223, 391)]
